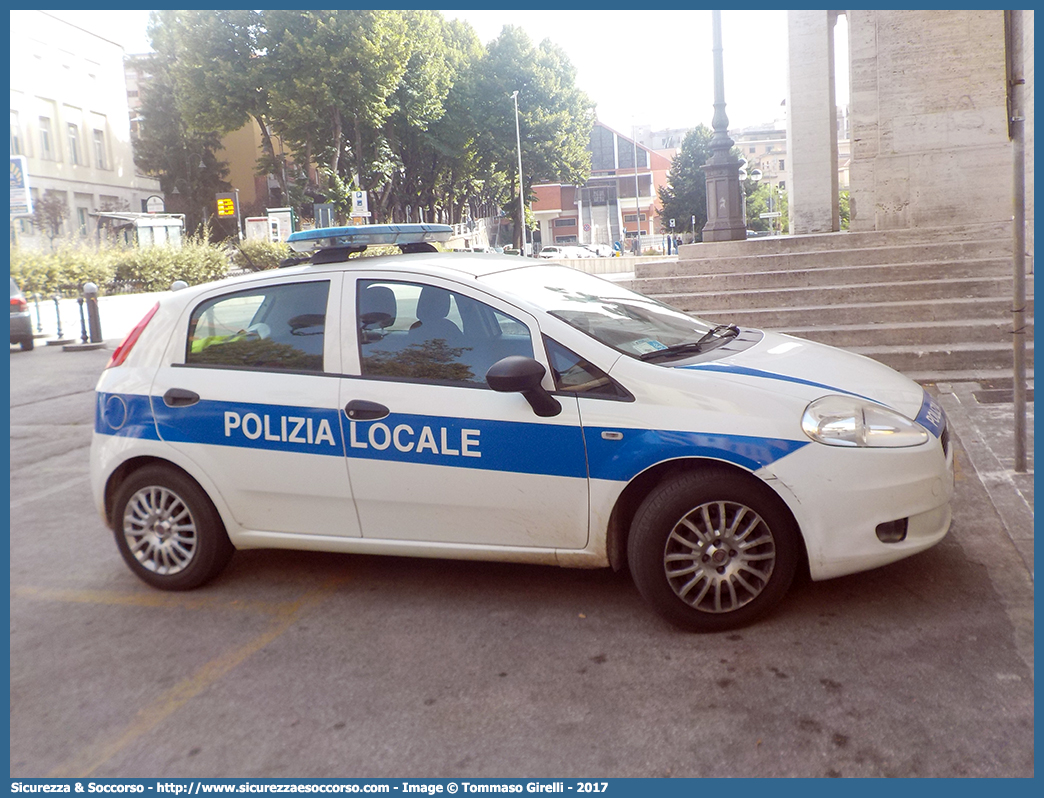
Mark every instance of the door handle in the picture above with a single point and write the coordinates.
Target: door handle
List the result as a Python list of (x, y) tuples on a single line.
[(361, 410), (179, 397)]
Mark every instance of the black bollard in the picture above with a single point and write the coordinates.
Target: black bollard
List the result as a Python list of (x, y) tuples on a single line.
[(83, 322), (39, 321), (58, 315), (90, 290)]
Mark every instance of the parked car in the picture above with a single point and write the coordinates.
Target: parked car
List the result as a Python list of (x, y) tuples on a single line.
[(485, 407), (21, 321), (549, 252), (564, 251)]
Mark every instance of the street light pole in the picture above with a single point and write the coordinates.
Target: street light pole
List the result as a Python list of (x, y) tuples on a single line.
[(637, 206), (521, 201)]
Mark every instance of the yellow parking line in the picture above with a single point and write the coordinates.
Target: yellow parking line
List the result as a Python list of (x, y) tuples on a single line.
[(94, 756), (61, 487), (180, 601)]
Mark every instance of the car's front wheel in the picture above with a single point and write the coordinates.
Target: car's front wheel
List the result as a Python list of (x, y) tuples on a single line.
[(168, 531), (713, 549)]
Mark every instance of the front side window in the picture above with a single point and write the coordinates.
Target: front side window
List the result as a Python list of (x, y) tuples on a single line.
[(272, 327), (417, 332), (575, 374)]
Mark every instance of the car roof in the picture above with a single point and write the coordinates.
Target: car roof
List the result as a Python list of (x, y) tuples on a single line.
[(460, 267), (471, 265)]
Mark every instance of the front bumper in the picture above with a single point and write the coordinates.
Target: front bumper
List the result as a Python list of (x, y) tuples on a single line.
[(839, 496)]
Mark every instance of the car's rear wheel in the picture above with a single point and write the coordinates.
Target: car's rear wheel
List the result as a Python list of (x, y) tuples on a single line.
[(168, 530), (713, 549), (27, 344)]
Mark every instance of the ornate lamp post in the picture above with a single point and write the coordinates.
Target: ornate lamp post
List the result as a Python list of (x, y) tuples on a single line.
[(725, 217)]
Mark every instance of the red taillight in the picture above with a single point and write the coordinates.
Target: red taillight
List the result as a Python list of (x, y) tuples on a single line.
[(132, 338), (19, 305)]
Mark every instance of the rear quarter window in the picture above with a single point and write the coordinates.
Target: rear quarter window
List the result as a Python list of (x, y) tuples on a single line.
[(280, 327)]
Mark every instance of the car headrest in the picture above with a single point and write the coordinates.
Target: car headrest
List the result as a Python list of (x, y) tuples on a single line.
[(377, 306), (433, 303)]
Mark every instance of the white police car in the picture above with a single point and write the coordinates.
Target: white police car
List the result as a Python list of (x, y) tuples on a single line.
[(492, 408)]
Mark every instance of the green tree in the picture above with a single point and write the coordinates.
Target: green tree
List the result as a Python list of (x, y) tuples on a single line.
[(555, 116), (421, 146), (844, 209), (219, 73), (49, 214), (685, 194), (448, 163), (182, 157), (332, 76), (402, 104)]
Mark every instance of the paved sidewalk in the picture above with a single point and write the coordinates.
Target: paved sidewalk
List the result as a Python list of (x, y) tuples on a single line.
[(982, 415)]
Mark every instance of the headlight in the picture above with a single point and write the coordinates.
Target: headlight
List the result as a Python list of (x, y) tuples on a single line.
[(849, 421)]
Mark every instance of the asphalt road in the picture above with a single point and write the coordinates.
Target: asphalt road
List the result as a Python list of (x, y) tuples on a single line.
[(315, 665)]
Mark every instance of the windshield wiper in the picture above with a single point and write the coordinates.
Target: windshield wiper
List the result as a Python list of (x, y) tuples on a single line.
[(722, 332)]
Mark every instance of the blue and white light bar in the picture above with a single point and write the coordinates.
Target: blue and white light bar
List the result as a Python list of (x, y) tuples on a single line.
[(367, 235)]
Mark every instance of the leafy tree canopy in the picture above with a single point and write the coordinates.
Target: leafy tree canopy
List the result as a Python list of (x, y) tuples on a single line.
[(403, 104)]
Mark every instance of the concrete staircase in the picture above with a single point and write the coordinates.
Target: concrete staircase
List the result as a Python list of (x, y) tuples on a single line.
[(932, 304)]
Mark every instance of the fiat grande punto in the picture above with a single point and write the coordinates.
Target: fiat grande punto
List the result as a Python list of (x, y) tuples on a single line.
[(488, 407)]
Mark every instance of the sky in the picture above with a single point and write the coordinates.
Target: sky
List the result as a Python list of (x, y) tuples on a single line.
[(640, 68)]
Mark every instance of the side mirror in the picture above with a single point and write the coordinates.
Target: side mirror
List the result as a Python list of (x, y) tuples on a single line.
[(517, 374)]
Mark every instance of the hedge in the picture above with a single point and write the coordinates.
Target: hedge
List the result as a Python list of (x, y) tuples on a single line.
[(116, 270), (119, 270)]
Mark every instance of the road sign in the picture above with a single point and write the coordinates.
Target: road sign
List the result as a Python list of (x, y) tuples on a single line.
[(672, 224), (154, 204), (773, 215), (21, 198)]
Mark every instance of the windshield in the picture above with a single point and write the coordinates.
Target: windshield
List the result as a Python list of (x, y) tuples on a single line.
[(628, 322)]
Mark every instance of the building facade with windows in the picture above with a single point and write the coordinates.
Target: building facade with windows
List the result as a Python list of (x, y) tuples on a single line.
[(606, 209), (69, 118)]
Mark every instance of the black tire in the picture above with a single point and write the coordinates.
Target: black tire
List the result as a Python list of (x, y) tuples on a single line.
[(27, 344), (168, 530), (713, 549)]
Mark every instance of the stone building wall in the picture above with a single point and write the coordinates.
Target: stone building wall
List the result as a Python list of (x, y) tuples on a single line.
[(929, 128)]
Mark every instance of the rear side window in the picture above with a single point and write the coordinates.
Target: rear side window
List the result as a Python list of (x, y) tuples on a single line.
[(272, 327)]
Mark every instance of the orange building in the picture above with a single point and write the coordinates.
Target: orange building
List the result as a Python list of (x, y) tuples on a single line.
[(605, 210), (241, 149)]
